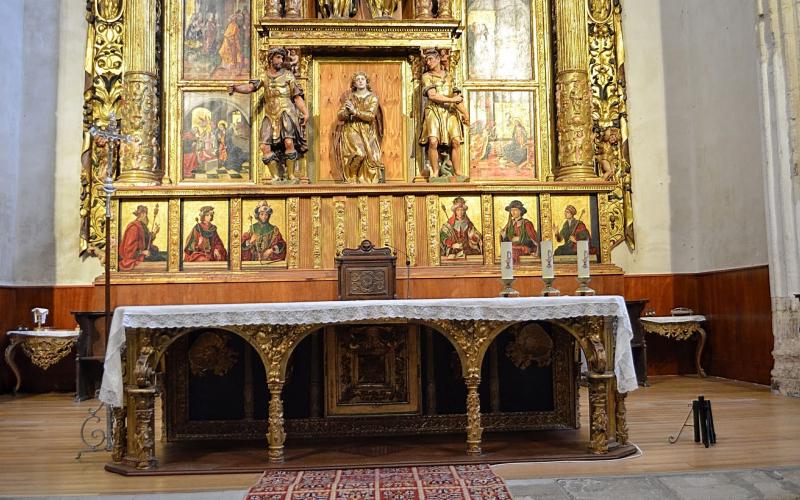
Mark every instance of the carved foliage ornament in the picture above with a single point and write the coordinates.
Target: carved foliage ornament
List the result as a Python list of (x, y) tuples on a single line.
[(210, 353)]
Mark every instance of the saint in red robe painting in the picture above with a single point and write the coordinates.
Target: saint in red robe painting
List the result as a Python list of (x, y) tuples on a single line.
[(459, 238), (137, 242), (203, 243)]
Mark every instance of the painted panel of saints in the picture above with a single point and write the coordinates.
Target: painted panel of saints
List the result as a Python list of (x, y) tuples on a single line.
[(215, 138), (216, 39), (499, 40), (143, 236), (502, 140), (263, 242), (516, 219), (574, 218), (461, 236), (205, 234)]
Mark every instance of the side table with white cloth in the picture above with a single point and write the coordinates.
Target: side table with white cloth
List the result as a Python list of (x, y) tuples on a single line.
[(44, 348), (679, 328), (599, 324)]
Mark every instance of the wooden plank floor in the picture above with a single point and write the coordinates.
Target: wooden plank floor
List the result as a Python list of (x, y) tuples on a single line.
[(39, 439)]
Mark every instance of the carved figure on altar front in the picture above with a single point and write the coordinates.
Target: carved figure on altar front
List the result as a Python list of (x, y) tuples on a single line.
[(263, 242), (459, 237), (443, 117), (282, 136), (520, 231), (337, 9), (358, 136)]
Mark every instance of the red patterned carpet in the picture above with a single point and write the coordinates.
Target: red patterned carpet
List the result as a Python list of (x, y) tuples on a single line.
[(454, 482)]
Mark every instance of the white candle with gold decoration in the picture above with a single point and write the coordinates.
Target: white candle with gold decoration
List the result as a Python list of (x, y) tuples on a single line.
[(583, 259), (506, 261), (548, 267)]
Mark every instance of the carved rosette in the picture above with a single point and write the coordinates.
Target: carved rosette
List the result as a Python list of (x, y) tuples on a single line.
[(411, 229), (293, 245), (174, 235), (44, 352), (598, 415), (316, 234), (432, 202), (140, 118), (487, 215), (620, 418), (387, 222), (363, 218), (338, 222), (102, 95)]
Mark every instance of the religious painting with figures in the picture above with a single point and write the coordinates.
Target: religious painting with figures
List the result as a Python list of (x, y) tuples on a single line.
[(461, 233), (204, 234), (216, 39), (574, 218), (499, 40), (263, 239), (502, 138), (516, 219), (215, 137), (143, 236)]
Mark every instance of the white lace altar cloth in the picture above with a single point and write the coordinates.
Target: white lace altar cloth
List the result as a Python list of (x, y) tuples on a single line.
[(299, 313)]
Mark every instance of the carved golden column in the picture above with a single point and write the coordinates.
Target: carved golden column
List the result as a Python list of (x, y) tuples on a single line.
[(141, 449), (620, 416), (598, 412), (276, 435), (120, 435), (139, 162), (573, 97), (474, 429)]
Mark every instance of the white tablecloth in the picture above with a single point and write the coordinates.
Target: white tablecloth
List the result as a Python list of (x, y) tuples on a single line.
[(696, 318), (298, 313)]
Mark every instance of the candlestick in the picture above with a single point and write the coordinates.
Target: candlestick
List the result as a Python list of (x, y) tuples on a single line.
[(548, 266), (506, 261)]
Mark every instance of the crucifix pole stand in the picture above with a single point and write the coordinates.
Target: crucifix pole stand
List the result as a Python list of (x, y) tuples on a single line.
[(109, 136)]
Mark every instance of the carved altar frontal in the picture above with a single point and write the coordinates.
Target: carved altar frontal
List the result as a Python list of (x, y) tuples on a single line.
[(260, 152)]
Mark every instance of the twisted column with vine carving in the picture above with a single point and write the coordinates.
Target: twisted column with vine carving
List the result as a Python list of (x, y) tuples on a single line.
[(276, 435)]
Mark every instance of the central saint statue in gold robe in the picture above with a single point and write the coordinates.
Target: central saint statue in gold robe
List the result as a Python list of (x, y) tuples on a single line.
[(357, 145)]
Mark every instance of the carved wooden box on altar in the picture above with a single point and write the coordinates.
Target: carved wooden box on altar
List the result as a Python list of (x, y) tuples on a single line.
[(366, 272)]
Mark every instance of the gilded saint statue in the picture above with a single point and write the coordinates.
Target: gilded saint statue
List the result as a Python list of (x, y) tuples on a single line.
[(442, 119), (337, 9), (282, 137), (383, 9), (357, 138)]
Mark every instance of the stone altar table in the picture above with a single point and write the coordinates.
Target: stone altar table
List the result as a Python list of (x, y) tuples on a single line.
[(599, 324)]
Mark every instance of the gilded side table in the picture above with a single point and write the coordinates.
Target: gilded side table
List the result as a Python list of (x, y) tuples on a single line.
[(679, 328), (44, 347)]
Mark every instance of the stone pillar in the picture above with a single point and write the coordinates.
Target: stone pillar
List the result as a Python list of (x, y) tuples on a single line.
[(573, 95), (780, 87), (139, 163)]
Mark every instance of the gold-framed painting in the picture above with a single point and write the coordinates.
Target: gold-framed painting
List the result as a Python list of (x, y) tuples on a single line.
[(331, 82), (215, 39), (142, 236), (502, 135), (215, 137), (574, 218), (516, 219), (461, 232), (263, 239), (205, 231), (500, 41)]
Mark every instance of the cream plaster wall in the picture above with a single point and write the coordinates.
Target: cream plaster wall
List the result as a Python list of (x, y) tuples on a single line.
[(695, 138), (696, 145)]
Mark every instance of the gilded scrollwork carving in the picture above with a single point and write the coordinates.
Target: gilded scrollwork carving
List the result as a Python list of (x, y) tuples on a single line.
[(487, 217), (316, 232), (102, 96), (44, 352), (276, 435), (411, 229), (140, 119), (573, 108), (621, 418), (387, 221), (363, 218), (293, 245), (141, 449), (589, 332), (174, 234), (609, 115), (598, 416), (432, 202), (474, 429), (338, 223), (236, 233), (120, 434)]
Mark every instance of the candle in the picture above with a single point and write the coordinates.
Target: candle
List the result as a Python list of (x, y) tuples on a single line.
[(548, 268), (506, 261), (583, 259)]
